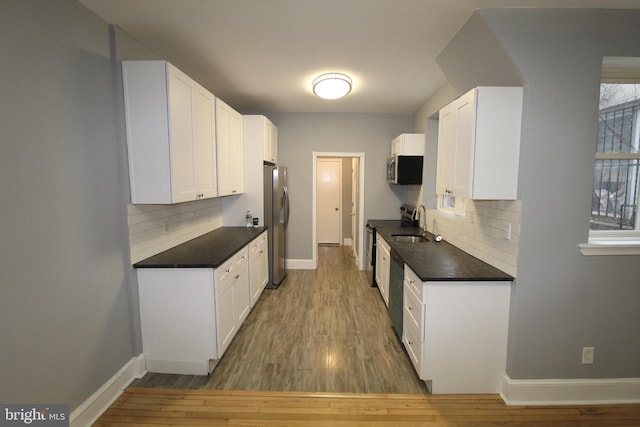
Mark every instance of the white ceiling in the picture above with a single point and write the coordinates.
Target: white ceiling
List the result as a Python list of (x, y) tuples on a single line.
[(261, 55)]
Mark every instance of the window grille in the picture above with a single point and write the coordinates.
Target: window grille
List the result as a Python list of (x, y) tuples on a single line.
[(617, 165)]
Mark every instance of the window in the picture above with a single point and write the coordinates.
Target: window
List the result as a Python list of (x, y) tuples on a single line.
[(450, 204), (614, 203), (615, 223)]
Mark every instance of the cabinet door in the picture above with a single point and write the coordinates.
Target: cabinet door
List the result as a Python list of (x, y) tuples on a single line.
[(204, 142), (236, 152), (182, 156), (395, 145), (386, 269), (383, 264), (445, 165), (258, 269), (465, 143), (378, 262), (223, 140), (225, 318), (273, 142), (230, 149), (241, 295)]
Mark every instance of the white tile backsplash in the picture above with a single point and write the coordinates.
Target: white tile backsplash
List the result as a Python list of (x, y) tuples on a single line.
[(482, 231), (156, 228)]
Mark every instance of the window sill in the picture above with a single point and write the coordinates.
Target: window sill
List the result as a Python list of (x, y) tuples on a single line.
[(610, 246)]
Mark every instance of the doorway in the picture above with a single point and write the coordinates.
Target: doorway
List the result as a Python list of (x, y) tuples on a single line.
[(350, 211)]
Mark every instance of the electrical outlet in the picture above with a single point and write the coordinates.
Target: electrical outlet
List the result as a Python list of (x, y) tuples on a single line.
[(587, 355), (507, 231)]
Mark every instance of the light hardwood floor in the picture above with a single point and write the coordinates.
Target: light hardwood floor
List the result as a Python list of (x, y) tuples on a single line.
[(162, 407), (323, 330)]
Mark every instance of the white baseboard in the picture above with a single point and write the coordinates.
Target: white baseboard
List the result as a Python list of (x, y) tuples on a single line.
[(301, 264), (570, 391), (91, 409), (347, 241)]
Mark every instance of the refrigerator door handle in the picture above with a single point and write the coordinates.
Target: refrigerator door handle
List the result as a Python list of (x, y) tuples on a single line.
[(286, 207)]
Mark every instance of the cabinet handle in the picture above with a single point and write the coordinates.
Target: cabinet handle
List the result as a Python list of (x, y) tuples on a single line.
[(237, 276), (228, 270)]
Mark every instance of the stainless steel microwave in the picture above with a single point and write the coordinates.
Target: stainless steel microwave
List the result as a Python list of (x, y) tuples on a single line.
[(404, 170)]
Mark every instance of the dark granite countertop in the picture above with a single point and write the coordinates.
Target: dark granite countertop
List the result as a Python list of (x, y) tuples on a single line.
[(437, 261), (207, 251)]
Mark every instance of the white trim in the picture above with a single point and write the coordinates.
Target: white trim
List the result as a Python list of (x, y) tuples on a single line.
[(570, 391), (92, 408), (611, 242), (606, 248), (347, 241), (302, 264)]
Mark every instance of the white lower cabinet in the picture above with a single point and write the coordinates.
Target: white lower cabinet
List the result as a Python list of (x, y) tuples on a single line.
[(456, 333), (232, 297), (189, 316), (383, 266), (259, 267)]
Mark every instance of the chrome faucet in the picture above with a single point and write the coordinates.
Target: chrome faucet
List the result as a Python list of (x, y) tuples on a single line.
[(423, 217)]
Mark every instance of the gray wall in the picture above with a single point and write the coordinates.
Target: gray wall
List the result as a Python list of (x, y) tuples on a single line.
[(65, 308), (300, 134), (561, 300)]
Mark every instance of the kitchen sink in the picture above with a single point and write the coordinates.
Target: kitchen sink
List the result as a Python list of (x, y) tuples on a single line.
[(409, 238)]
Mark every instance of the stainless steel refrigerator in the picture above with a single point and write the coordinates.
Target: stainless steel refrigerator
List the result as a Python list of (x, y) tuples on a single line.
[(276, 218)]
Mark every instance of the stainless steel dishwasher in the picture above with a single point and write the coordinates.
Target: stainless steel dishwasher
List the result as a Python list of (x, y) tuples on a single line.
[(396, 285)]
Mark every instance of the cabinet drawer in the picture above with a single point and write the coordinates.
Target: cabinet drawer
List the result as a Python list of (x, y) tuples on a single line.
[(413, 281), (413, 311), (413, 346), (259, 244), (232, 265)]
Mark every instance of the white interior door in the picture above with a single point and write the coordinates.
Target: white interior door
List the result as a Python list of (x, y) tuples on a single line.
[(328, 203)]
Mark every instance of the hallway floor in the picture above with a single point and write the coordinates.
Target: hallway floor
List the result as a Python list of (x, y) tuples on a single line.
[(323, 330)]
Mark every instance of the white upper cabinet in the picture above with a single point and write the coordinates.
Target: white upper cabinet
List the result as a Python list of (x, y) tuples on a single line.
[(261, 134), (479, 144), (408, 144), (170, 125), (271, 143), (230, 149)]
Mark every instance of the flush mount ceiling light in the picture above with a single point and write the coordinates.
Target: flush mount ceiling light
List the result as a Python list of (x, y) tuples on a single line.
[(332, 85)]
